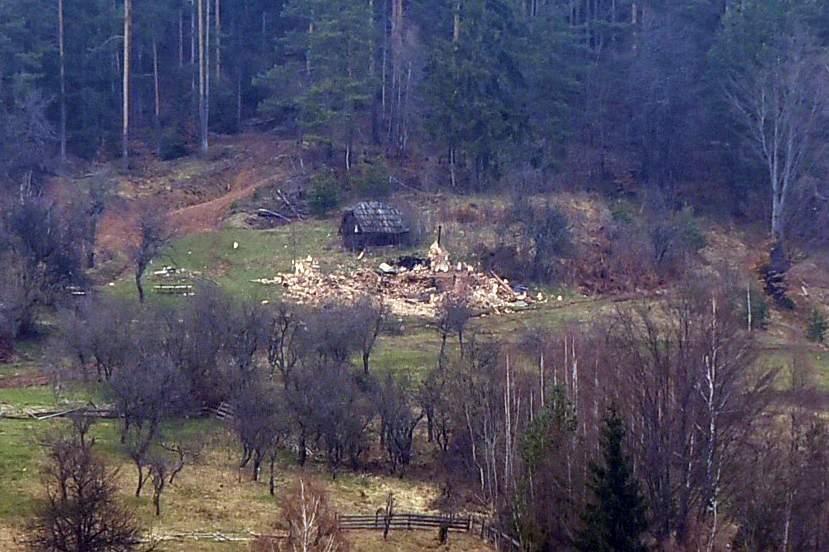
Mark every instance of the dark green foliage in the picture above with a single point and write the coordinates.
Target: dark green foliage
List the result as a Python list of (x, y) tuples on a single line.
[(323, 81), (324, 194), (371, 180), (545, 231), (615, 520), (817, 326), (546, 430), (486, 90), (173, 144), (475, 86)]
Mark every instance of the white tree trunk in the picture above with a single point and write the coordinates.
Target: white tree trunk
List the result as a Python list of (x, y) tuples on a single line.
[(62, 54), (202, 79), (126, 83)]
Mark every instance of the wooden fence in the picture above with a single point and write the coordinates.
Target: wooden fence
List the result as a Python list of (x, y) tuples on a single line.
[(413, 521), (404, 521)]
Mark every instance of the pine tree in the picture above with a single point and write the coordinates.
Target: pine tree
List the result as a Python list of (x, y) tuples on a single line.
[(325, 81), (615, 521), (473, 83)]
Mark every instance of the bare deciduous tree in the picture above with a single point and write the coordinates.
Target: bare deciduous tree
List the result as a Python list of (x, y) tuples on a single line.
[(80, 512), (282, 329), (153, 237), (311, 523), (690, 390), (260, 423), (398, 421), (366, 322), (145, 392), (780, 103), (453, 315)]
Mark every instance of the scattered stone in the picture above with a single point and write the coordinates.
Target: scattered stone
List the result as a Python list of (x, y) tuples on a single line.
[(386, 268)]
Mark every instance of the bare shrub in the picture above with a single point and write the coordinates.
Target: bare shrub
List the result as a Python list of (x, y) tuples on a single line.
[(260, 423), (546, 232), (453, 315), (398, 421), (310, 520), (153, 237), (80, 512), (366, 321)]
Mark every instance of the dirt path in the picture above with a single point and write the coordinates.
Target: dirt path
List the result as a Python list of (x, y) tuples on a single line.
[(207, 189), (208, 215)]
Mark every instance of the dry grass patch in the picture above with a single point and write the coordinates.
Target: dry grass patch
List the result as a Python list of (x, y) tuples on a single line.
[(215, 496), (414, 541), (8, 539)]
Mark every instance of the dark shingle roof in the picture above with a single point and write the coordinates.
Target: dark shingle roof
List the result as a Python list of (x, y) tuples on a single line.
[(378, 217)]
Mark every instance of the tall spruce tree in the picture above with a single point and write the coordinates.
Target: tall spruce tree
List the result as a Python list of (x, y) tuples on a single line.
[(324, 82), (473, 84), (615, 520)]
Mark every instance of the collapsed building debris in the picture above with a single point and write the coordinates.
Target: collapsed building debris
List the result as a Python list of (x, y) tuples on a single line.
[(418, 291)]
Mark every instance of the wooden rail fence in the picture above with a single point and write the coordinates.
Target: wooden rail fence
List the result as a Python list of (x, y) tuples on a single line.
[(414, 521), (403, 521)]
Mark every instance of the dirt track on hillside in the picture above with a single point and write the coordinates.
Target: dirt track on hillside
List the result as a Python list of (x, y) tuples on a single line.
[(198, 202)]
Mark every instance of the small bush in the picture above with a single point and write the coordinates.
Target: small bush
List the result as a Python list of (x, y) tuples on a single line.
[(173, 144), (324, 194), (817, 326), (545, 239), (673, 237), (549, 232), (373, 183), (502, 259)]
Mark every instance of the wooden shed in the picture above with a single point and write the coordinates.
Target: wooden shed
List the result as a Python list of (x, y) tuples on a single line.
[(372, 223)]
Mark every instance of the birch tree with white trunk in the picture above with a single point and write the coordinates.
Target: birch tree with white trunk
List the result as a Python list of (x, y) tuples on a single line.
[(779, 103)]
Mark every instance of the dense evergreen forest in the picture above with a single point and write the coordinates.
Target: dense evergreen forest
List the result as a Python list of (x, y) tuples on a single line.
[(626, 352), (662, 94)]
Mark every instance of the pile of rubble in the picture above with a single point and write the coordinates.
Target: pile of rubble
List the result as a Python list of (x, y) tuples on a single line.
[(406, 287)]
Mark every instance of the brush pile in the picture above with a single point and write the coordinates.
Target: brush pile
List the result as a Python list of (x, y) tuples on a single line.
[(418, 291)]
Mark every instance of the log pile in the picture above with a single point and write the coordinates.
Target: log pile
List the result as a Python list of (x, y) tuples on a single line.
[(417, 292)]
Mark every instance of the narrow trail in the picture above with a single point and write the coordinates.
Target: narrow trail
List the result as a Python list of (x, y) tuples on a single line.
[(253, 161), (202, 217)]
